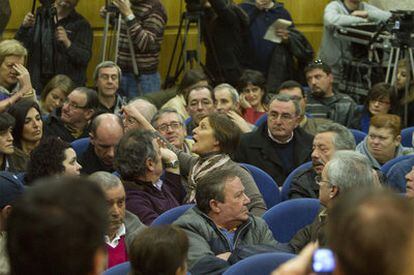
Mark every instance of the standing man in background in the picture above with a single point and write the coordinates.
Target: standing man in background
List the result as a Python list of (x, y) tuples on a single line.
[(143, 23), (5, 13)]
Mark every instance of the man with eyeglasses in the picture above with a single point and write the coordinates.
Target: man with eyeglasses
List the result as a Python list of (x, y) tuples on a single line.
[(278, 146), (346, 171), (71, 122), (296, 92), (200, 103), (106, 131), (107, 76), (323, 101), (170, 125)]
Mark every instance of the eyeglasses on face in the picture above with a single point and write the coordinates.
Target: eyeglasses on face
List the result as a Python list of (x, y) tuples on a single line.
[(173, 125), (73, 105)]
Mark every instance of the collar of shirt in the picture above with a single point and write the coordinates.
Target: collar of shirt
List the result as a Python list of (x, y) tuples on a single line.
[(278, 141), (158, 184), (114, 243)]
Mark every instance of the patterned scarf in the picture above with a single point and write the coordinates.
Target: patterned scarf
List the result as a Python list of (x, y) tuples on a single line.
[(203, 166)]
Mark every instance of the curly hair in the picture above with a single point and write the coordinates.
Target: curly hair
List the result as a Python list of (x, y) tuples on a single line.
[(47, 159), (134, 148)]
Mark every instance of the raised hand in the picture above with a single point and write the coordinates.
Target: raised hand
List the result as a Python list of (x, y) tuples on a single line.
[(62, 36), (29, 20)]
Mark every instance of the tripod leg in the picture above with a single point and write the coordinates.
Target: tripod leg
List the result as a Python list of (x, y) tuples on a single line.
[(389, 66), (118, 32), (105, 38), (394, 69), (410, 54)]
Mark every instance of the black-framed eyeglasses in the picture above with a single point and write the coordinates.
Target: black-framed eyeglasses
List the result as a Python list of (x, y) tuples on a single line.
[(74, 105)]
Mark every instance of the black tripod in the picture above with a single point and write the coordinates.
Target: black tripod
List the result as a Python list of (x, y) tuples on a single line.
[(187, 58)]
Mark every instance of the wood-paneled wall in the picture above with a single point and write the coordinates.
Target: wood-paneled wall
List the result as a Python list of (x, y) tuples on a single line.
[(307, 15)]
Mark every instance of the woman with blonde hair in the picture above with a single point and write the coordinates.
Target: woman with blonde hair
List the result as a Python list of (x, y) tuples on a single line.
[(55, 92)]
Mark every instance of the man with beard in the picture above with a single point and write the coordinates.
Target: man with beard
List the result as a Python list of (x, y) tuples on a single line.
[(56, 47), (323, 102), (329, 139), (72, 120), (278, 146), (123, 225)]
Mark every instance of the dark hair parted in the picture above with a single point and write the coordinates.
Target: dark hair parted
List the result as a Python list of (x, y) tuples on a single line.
[(19, 111), (47, 159), (383, 91), (134, 148), (377, 226), (318, 64), (159, 250), (6, 121), (190, 78), (226, 132), (255, 78), (211, 187), (56, 227), (61, 82), (289, 85)]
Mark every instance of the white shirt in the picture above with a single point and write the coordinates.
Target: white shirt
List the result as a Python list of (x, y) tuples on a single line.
[(114, 243)]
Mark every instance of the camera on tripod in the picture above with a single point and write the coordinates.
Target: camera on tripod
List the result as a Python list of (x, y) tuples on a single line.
[(402, 22), (194, 5)]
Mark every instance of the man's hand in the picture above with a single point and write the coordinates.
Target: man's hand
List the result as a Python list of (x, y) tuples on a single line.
[(224, 256), (29, 20), (300, 265), (283, 33), (264, 4), (62, 36), (124, 7), (359, 13), (103, 12)]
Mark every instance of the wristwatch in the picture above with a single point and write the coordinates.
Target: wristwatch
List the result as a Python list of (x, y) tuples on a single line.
[(172, 164), (130, 17)]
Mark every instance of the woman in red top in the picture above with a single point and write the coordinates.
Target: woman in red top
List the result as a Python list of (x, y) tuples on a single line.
[(252, 86)]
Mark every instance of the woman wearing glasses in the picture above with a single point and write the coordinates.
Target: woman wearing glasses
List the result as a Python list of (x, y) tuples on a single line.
[(381, 99)]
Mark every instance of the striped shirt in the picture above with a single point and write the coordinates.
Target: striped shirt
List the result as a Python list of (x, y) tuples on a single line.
[(146, 31)]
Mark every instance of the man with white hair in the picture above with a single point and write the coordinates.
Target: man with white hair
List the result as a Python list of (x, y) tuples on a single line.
[(347, 170), (146, 108)]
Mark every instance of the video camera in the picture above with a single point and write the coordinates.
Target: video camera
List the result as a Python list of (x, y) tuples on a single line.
[(194, 5), (402, 23)]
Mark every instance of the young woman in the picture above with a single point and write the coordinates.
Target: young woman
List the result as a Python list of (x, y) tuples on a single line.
[(55, 93), (28, 130), (52, 157)]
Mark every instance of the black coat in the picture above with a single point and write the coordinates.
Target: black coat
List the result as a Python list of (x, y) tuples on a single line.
[(256, 148)]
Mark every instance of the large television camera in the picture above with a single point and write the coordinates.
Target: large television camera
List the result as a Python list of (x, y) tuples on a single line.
[(402, 26)]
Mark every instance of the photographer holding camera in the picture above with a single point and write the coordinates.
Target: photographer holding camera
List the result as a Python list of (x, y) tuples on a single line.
[(59, 41), (143, 23)]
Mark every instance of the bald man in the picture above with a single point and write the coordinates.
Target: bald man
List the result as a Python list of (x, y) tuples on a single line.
[(106, 131)]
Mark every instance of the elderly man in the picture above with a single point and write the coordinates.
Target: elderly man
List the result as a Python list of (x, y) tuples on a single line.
[(296, 92), (330, 138), (278, 146), (200, 103), (107, 76), (10, 189), (123, 225), (220, 224), (141, 162), (228, 102), (347, 170), (11, 158), (57, 47), (14, 78), (72, 120), (106, 131), (57, 227), (324, 102), (170, 124), (144, 107)]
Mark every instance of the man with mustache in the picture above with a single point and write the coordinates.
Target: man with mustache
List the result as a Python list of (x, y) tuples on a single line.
[(329, 139), (323, 101), (123, 225), (59, 41)]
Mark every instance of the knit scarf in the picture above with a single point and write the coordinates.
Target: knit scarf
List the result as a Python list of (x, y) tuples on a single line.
[(203, 165)]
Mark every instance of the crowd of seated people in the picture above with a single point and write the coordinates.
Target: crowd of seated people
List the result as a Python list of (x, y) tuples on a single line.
[(136, 158)]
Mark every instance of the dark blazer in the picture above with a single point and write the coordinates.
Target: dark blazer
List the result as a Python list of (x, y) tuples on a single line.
[(256, 148), (55, 127), (91, 163)]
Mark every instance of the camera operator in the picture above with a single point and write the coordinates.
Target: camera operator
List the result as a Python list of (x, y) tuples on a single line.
[(59, 41), (144, 23), (226, 30)]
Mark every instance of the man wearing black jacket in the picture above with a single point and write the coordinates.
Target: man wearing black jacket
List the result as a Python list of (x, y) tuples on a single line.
[(56, 47)]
